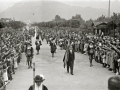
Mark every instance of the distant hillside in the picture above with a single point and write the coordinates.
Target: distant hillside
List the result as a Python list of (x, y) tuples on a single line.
[(114, 4), (38, 11)]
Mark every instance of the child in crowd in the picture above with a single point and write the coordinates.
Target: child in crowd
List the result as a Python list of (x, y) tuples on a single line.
[(104, 59), (9, 71), (116, 63), (12, 63), (4, 73), (85, 47), (96, 54)]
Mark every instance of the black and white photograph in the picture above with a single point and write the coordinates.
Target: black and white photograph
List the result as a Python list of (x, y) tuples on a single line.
[(59, 44)]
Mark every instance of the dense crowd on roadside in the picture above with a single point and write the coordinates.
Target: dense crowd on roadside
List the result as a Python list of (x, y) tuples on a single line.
[(12, 45), (106, 49)]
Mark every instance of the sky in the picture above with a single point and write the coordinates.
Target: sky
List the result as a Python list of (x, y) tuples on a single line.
[(4, 4)]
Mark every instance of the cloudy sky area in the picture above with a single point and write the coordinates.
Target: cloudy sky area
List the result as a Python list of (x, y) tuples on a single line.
[(4, 4)]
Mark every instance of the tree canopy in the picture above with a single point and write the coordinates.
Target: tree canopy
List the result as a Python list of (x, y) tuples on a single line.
[(12, 24)]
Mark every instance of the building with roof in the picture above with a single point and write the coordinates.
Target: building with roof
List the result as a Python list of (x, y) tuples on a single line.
[(100, 27), (5, 20)]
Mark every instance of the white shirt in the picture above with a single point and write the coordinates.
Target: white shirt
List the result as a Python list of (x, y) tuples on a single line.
[(71, 51), (91, 46), (38, 87), (38, 42)]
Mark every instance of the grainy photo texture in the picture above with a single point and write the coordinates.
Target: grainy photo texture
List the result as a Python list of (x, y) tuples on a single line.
[(59, 44)]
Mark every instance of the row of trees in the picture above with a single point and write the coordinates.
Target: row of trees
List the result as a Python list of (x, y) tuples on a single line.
[(78, 22), (12, 24), (75, 22)]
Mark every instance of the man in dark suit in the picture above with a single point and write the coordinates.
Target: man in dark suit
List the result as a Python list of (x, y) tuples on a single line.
[(29, 54), (71, 58), (38, 44), (53, 47)]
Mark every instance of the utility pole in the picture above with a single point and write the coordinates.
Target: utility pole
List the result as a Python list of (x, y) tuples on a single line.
[(109, 10), (114, 29), (33, 69), (33, 17), (34, 73)]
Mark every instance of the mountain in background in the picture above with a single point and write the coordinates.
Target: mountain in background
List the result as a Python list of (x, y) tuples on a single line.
[(114, 4), (38, 11)]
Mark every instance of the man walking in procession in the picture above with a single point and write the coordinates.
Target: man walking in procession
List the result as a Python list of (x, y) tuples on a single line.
[(70, 59)]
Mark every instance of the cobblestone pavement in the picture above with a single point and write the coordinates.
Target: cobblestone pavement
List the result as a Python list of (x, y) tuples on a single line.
[(56, 77)]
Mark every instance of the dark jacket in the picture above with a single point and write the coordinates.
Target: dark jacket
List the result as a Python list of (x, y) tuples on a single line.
[(37, 37), (71, 56), (53, 48), (32, 87), (38, 45), (31, 52), (90, 49)]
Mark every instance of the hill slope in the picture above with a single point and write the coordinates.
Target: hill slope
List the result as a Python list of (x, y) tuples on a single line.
[(46, 10)]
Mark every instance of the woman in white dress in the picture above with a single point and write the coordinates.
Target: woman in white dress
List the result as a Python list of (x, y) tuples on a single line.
[(5, 74), (15, 59), (15, 62)]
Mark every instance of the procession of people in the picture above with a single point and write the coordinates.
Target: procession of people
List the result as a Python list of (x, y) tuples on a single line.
[(103, 50)]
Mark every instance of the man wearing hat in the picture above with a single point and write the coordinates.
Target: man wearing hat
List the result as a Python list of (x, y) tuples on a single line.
[(114, 83), (38, 44), (38, 83), (29, 55), (91, 50), (53, 47), (71, 58)]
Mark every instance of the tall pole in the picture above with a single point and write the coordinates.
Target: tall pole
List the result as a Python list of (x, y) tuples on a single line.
[(114, 30), (109, 12), (109, 9), (33, 75), (33, 70)]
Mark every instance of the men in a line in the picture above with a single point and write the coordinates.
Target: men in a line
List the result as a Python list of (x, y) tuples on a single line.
[(38, 83), (114, 83)]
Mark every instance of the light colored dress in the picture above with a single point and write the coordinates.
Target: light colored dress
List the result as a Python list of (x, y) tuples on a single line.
[(85, 47), (112, 59), (5, 75), (109, 57), (104, 58), (15, 63)]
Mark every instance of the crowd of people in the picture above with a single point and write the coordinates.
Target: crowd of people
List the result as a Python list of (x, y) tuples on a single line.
[(102, 49), (12, 45)]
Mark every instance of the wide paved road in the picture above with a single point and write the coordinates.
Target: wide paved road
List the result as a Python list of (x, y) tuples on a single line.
[(56, 77)]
